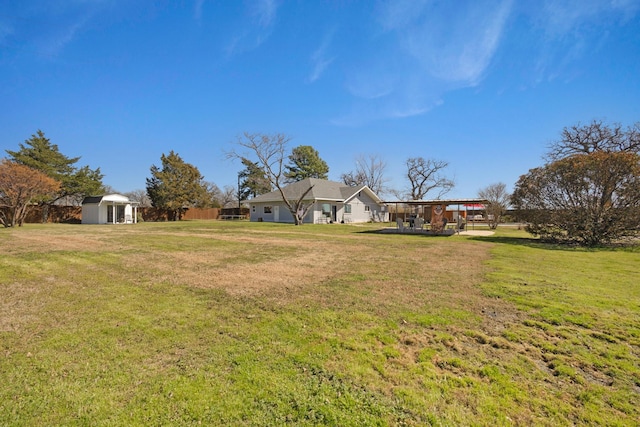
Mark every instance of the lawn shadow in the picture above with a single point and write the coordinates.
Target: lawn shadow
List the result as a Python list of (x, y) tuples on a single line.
[(507, 240), (392, 232), (532, 242), (536, 243)]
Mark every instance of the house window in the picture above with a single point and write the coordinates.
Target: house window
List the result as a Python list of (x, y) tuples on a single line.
[(267, 209), (347, 208), (367, 208), (326, 209)]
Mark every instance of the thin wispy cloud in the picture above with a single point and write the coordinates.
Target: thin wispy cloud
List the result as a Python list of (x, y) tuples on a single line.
[(320, 59), (452, 42), (362, 113), (560, 18), (264, 12), (256, 29), (197, 10), (63, 36), (386, 91), (47, 30), (378, 76), (430, 49), (571, 30), (393, 15), (5, 31)]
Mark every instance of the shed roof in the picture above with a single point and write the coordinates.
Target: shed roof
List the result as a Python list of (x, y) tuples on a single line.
[(114, 198)]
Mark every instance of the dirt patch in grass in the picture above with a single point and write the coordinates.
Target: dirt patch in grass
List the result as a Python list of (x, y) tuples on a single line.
[(44, 242), (262, 266), (75, 237), (436, 273)]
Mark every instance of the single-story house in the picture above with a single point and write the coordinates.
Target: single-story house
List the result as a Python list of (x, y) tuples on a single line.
[(330, 202), (109, 209)]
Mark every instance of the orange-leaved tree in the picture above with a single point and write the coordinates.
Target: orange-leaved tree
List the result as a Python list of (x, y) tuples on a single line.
[(589, 191), (21, 188)]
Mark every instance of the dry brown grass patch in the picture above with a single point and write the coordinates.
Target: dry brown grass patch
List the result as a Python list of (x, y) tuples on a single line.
[(249, 271), (37, 242)]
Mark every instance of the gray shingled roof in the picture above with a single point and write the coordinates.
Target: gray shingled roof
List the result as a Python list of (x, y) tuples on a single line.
[(322, 190)]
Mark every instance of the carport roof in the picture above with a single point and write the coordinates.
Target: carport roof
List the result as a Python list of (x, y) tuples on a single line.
[(439, 202)]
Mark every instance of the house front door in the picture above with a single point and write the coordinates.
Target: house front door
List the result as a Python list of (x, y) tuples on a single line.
[(334, 213), (276, 214)]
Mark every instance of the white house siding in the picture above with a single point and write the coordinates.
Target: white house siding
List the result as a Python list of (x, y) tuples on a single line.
[(316, 215), (90, 214), (330, 195), (359, 212), (284, 215), (258, 214)]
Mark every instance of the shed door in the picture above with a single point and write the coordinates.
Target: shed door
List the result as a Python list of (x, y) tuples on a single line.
[(276, 213)]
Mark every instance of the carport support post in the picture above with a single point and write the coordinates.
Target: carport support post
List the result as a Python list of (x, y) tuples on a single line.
[(113, 208)]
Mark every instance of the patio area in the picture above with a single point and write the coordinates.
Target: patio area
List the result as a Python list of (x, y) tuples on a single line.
[(434, 217)]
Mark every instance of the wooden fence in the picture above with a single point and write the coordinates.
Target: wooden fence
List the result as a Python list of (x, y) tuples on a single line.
[(63, 214), (73, 214)]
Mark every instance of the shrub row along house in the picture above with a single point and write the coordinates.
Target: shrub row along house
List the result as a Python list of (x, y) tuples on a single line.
[(328, 201)]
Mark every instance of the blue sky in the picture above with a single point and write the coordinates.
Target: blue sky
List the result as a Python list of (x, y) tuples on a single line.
[(484, 85)]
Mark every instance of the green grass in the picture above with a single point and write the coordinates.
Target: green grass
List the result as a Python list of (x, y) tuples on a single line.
[(579, 315), (187, 324)]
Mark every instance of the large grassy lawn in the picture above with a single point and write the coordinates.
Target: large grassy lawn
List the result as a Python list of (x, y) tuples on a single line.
[(236, 323)]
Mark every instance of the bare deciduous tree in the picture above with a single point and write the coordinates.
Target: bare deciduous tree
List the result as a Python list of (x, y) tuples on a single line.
[(229, 197), (424, 176), (271, 152), (497, 202), (369, 171), (140, 196), (595, 137), (213, 197)]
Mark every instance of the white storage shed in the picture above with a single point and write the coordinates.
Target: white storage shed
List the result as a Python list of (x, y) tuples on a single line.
[(109, 209)]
